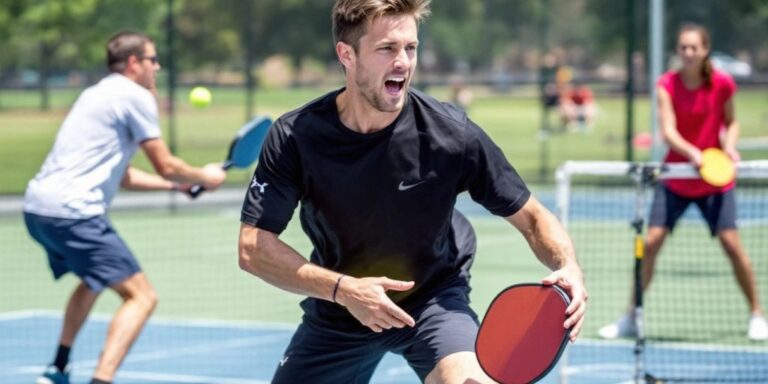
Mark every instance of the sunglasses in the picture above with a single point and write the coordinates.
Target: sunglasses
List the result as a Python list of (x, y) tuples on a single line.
[(153, 59)]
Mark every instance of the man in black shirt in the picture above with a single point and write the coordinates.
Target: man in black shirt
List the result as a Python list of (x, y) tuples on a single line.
[(377, 168)]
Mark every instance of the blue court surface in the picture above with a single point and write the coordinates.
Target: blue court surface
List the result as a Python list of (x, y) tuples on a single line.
[(247, 353), (166, 352)]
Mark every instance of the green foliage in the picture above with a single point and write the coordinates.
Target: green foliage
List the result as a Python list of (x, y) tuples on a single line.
[(304, 28), (483, 34), (67, 33), (26, 135), (456, 28), (205, 38), (731, 23)]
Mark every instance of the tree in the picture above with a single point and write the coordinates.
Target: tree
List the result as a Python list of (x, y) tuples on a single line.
[(476, 32), (733, 24), (297, 28), (52, 34), (207, 33)]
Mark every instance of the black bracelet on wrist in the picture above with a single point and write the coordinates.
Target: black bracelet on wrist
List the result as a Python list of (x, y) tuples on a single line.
[(336, 288)]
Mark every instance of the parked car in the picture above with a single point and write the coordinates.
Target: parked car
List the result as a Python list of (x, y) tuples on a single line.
[(724, 62), (730, 64)]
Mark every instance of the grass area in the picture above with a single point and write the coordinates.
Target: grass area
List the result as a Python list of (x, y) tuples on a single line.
[(26, 134), (191, 258)]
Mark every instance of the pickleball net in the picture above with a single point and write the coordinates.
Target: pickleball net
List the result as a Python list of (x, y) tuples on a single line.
[(696, 316)]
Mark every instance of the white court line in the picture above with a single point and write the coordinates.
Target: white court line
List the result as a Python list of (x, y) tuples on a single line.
[(166, 321), (202, 348), (85, 367), (676, 346), (400, 370), (171, 378), (599, 370), (18, 315), (188, 350), (147, 376), (609, 371), (748, 222), (207, 323)]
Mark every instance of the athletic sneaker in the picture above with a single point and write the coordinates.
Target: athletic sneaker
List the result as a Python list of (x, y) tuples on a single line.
[(623, 327), (758, 328), (53, 375)]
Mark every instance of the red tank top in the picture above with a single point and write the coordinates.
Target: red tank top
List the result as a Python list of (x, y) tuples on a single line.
[(700, 118)]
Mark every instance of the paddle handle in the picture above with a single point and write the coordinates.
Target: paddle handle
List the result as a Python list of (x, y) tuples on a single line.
[(197, 189)]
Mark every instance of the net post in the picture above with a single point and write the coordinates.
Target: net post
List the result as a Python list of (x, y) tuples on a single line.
[(643, 175)]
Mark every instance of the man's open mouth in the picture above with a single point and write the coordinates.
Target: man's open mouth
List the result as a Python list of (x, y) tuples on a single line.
[(394, 84)]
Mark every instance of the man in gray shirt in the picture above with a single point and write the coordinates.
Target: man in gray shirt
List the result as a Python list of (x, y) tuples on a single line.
[(66, 203)]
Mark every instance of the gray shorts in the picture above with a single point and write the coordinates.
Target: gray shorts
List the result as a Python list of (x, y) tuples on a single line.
[(317, 354), (89, 248), (718, 210)]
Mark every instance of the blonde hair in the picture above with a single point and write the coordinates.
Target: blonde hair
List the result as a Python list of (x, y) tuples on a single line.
[(706, 69), (350, 16)]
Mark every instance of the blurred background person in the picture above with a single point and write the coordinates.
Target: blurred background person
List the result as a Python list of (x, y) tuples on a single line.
[(577, 107)]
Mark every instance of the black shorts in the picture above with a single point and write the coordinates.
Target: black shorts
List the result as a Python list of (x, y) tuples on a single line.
[(317, 354), (718, 210), (90, 248), (551, 100)]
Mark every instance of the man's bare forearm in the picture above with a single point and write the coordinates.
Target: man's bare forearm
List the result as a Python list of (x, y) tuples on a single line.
[(264, 255), (545, 235)]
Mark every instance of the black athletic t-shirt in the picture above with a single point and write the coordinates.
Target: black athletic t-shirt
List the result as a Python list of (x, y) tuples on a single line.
[(380, 204)]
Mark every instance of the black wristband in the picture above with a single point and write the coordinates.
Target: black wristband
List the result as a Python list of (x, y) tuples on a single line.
[(336, 288)]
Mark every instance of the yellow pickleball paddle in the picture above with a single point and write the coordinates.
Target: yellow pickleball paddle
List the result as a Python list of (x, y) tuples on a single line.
[(716, 167)]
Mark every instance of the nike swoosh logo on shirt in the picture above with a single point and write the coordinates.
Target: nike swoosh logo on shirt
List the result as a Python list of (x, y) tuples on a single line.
[(404, 187)]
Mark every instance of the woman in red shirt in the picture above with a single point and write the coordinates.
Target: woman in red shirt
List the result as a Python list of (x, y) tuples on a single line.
[(695, 111)]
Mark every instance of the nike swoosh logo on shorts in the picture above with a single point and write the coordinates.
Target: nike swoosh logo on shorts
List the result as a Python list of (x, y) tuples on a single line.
[(404, 187)]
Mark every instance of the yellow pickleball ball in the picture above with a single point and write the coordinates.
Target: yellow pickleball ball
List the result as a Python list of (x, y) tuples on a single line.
[(200, 97)]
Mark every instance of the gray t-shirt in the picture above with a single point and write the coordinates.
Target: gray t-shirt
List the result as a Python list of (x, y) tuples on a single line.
[(93, 149)]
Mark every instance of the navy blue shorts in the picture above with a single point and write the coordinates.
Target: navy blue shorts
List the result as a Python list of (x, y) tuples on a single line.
[(317, 354), (89, 248), (718, 210)]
